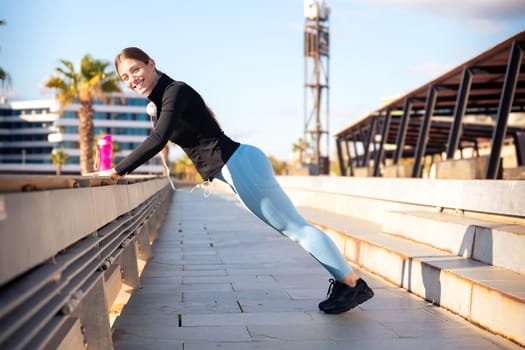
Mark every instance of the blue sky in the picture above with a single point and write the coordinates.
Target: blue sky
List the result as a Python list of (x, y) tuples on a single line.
[(246, 58)]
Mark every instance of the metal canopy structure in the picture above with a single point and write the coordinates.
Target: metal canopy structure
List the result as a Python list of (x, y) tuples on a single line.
[(464, 107)]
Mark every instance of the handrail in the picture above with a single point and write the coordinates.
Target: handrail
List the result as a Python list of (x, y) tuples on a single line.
[(39, 302)]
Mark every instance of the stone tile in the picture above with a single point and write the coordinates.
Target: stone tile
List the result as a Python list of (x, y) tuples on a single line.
[(264, 345), (306, 294), (186, 266), (153, 303), (464, 343), (350, 331), (260, 306), (266, 318), (243, 296), (202, 287), (159, 281), (169, 333), (393, 299), (255, 283), (134, 342), (206, 279), (203, 273)]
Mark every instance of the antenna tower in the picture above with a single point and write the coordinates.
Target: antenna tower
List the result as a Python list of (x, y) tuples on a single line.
[(316, 59)]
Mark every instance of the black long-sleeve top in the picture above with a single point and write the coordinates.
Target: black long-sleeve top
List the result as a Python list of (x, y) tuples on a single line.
[(183, 118)]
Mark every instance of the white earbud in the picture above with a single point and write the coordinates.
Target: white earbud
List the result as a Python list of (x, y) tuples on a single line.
[(151, 109)]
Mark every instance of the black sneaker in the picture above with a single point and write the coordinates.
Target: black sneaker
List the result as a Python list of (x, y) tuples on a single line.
[(332, 291), (346, 297)]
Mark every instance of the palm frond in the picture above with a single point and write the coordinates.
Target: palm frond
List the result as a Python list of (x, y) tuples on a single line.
[(67, 74), (68, 65)]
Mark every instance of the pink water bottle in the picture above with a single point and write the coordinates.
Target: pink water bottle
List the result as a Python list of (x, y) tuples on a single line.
[(104, 152)]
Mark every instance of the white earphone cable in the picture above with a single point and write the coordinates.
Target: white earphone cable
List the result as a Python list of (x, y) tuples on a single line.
[(151, 110)]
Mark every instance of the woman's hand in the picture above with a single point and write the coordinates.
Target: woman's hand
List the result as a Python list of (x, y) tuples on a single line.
[(109, 173)]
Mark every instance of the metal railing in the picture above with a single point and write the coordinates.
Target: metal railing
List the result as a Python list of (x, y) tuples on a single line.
[(64, 300)]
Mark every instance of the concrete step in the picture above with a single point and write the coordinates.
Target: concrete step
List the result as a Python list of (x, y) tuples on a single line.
[(499, 243), (489, 296)]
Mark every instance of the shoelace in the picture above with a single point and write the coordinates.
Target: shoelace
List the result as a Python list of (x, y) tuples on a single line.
[(205, 185), (331, 287)]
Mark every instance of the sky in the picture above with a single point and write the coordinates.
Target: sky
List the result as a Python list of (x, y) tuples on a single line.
[(246, 58)]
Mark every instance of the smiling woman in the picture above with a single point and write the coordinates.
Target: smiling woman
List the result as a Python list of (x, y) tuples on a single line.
[(184, 118), (137, 70)]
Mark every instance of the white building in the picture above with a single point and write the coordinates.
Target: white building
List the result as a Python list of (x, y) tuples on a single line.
[(31, 130)]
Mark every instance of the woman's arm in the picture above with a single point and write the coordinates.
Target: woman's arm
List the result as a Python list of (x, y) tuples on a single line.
[(172, 106)]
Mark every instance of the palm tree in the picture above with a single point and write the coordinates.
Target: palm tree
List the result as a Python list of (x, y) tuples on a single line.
[(279, 168), (59, 158), (90, 83), (301, 146), (6, 83), (4, 77)]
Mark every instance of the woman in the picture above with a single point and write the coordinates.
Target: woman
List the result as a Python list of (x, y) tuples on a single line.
[(184, 118)]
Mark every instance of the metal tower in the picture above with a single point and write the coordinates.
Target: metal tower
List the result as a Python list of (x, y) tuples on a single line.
[(316, 58)]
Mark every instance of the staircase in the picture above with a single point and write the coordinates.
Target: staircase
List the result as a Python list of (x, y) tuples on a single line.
[(469, 262)]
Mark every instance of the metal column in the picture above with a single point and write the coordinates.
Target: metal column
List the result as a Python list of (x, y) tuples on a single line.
[(505, 105), (421, 146), (350, 166), (340, 157), (384, 135), (402, 132), (354, 138), (369, 138), (459, 112), (519, 142)]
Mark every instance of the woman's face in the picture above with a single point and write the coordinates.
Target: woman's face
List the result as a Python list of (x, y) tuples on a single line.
[(138, 76)]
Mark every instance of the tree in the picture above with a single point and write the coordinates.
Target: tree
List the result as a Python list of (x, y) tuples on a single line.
[(59, 158), (6, 83), (90, 83), (185, 170), (301, 146), (279, 168), (5, 78)]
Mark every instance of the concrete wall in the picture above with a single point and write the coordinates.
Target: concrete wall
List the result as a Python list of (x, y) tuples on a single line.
[(465, 169), (370, 198)]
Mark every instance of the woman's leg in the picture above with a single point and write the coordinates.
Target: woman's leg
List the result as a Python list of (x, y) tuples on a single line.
[(250, 174)]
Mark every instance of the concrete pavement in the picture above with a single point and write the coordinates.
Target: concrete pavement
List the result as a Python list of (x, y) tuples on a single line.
[(221, 279)]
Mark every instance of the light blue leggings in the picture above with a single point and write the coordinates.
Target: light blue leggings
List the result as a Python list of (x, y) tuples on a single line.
[(250, 175)]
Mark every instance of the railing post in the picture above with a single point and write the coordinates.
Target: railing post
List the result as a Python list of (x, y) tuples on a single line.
[(129, 266), (93, 314)]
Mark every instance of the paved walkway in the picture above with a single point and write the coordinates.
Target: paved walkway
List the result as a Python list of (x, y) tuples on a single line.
[(220, 279)]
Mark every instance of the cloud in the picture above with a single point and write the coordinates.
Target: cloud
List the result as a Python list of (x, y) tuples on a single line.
[(430, 69), (486, 26), (488, 10)]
